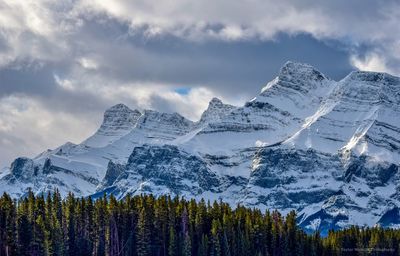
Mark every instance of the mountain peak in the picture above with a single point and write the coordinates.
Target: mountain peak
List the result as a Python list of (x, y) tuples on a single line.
[(296, 70), (373, 86), (120, 107), (215, 111), (172, 123), (215, 102), (118, 120), (369, 76), (120, 114), (154, 114), (296, 76)]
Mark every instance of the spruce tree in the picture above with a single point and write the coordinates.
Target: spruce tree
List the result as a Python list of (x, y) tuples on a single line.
[(203, 247), (215, 249), (144, 233), (100, 226), (24, 233), (8, 228), (187, 243), (173, 246)]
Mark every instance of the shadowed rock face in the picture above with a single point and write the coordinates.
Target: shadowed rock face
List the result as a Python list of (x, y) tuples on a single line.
[(23, 168), (216, 111), (327, 149), (113, 172), (170, 124), (322, 221), (295, 179), (119, 117), (374, 174), (163, 166), (392, 216)]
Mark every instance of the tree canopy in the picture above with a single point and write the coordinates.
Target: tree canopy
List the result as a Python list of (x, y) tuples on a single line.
[(145, 225)]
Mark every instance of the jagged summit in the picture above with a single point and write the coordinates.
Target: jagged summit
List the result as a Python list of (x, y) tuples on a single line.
[(376, 87), (297, 77), (371, 76), (120, 116), (118, 107), (295, 70), (215, 102), (118, 121), (215, 111), (170, 124)]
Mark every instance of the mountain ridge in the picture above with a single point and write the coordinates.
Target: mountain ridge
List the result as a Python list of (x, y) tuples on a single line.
[(327, 149)]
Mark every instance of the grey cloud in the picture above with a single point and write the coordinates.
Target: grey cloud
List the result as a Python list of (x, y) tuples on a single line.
[(226, 67)]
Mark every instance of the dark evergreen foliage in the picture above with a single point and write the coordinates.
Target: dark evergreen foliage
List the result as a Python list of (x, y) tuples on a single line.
[(144, 225)]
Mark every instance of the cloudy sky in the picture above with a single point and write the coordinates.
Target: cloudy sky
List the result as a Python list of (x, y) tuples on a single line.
[(62, 63)]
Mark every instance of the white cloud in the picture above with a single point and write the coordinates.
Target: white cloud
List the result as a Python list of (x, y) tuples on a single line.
[(353, 22), (190, 105), (34, 30), (28, 128), (64, 83), (232, 33), (88, 63), (263, 18), (140, 95), (372, 62)]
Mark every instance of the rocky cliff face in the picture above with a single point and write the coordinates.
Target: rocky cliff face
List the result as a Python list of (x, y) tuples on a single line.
[(216, 111), (329, 150), (118, 121)]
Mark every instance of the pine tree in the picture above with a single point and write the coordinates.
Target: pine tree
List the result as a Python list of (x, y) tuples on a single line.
[(70, 223), (187, 244), (114, 239), (240, 238), (56, 237), (161, 225), (226, 251), (7, 226), (268, 233), (215, 249), (144, 233), (38, 243), (24, 231), (203, 247), (173, 247), (291, 229), (100, 226)]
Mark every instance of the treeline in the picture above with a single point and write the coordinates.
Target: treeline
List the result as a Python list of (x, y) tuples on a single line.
[(145, 225)]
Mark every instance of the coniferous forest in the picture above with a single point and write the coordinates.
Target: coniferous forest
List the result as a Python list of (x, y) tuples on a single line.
[(145, 225)]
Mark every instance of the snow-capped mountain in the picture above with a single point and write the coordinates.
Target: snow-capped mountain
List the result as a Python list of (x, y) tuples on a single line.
[(328, 149)]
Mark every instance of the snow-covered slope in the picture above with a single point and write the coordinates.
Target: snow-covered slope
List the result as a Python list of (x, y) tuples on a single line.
[(328, 149), (361, 115), (274, 115)]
